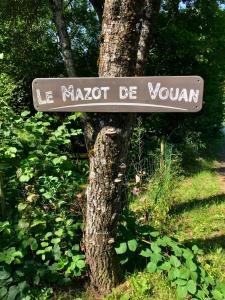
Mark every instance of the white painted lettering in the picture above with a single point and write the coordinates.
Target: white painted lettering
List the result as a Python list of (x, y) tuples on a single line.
[(133, 92), (105, 90), (79, 95), (174, 96), (194, 95), (96, 93), (88, 94), (49, 97), (67, 93), (39, 98), (163, 93), (154, 91), (124, 92), (183, 95)]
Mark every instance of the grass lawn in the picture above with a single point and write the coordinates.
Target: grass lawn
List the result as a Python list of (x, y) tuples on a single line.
[(197, 217)]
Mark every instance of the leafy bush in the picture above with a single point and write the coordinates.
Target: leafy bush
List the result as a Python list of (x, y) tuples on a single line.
[(140, 245), (41, 228)]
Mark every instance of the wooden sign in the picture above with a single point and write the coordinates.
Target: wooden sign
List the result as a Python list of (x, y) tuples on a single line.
[(120, 94)]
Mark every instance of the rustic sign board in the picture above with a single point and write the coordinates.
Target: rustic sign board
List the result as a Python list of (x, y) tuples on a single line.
[(120, 94)]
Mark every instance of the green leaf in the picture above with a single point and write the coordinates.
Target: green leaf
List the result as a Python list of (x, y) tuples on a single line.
[(47, 195), (55, 241), (24, 178), (181, 292), (217, 295), (80, 264), (122, 248), (22, 206), (146, 253), (12, 292), (124, 261), (154, 233), (74, 116), (3, 292), (185, 273), (1, 55), (37, 222), (165, 266), (191, 265), (34, 245), (155, 248), (132, 245), (44, 244), (59, 232), (188, 254), (76, 247), (156, 257), (25, 113), (4, 274), (191, 286), (151, 267), (173, 274), (181, 282), (175, 261)]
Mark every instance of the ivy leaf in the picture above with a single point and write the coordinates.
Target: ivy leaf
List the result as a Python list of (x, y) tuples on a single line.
[(191, 286), (132, 245), (122, 248)]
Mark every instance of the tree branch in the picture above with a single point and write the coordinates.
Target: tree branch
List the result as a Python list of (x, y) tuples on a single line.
[(150, 13), (60, 23), (98, 6)]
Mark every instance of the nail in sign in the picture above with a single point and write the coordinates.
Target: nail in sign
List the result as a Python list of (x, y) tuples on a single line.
[(120, 94)]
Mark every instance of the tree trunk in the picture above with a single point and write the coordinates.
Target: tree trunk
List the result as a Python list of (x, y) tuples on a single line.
[(59, 20), (151, 11), (107, 138)]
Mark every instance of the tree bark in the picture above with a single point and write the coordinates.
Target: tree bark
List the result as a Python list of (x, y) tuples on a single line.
[(107, 138), (59, 20), (151, 11)]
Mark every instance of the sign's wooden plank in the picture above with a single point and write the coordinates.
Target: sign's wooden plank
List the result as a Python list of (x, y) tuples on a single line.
[(120, 94)]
